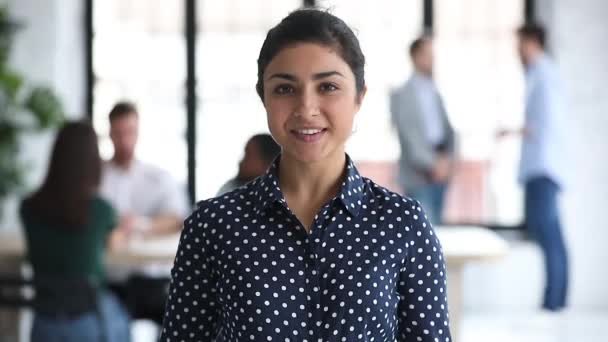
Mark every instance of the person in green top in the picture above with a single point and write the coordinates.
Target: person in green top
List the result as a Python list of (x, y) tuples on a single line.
[(67, 228)]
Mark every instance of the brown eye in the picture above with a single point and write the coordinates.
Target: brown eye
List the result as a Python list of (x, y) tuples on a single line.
[(328, 87), (283, 89)]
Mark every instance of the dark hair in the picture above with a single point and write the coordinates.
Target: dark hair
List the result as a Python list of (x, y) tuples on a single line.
[(72, 179), (312, 26), (533, 31), (268, 147), (122, 109), (417, 44)]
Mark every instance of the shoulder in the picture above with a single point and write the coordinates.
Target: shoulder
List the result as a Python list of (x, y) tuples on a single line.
[(153, 174), (545, 71), (402, 88), (102, 205), (234, 204), (383, 198), (396, 207), (149, 169)]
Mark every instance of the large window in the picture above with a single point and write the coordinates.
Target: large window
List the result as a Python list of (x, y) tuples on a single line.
[(139, 55), (480, 76)]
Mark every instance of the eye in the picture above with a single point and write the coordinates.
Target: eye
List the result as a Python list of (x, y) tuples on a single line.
[(283, 89), (328, 87)]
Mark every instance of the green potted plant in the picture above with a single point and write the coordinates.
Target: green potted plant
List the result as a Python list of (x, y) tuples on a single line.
[(23, 109)]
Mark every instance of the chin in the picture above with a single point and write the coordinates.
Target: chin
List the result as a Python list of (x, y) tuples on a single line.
[(311, 155)]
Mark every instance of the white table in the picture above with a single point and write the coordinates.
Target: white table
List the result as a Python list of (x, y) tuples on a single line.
[(461, 245), (138, 252)]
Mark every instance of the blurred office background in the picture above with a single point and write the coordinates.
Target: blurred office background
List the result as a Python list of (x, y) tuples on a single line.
[(190, 65)]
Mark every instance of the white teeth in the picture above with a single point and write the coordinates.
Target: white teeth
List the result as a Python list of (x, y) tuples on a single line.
[(309, 131)]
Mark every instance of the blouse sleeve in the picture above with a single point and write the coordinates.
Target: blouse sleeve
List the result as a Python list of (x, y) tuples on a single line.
[(192, 310), (423, 307)]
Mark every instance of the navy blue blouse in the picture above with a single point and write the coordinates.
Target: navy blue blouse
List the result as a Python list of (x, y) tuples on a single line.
[(370, 269)]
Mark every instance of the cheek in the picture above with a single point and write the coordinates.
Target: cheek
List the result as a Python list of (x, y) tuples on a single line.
[(277, 113), (341, 113)]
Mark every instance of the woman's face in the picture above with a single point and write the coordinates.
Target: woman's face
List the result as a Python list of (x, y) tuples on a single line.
[(311, 100)]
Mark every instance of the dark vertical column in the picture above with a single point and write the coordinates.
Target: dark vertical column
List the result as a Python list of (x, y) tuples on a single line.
[(88, 55), (529, 11), (190, 30), (427, 16)]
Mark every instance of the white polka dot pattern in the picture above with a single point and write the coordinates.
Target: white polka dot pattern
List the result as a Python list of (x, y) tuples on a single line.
[(371, 269)]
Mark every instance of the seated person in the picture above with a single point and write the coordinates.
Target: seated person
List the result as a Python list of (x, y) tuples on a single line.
[(67, 226), (260, 152), (149, 203)]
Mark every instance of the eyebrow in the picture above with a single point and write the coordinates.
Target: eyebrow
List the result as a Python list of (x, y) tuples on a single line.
[(316, 76)]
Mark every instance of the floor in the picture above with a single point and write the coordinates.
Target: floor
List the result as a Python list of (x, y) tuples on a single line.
[(536, 327)]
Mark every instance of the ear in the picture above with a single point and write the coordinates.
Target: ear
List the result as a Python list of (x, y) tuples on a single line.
[(361, 96)]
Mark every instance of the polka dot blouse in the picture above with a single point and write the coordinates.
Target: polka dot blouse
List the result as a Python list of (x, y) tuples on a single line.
[(371, 269)]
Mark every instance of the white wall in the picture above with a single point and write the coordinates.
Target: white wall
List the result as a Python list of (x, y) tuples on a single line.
[(579, 42), (50, 47), (48, 50), (581, 48)]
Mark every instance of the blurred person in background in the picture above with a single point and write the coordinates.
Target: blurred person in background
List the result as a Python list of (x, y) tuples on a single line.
[(425, 133), (150, 204), (260, 152), (543, 162), (148, 199), (67, 227)]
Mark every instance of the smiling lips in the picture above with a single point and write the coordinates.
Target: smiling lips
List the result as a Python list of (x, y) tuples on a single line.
[(309, 135)]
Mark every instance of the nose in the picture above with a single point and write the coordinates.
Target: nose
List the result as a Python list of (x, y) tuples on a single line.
[(308, 103)]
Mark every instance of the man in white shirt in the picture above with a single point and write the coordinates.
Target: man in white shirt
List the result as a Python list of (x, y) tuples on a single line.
[(425, 134), (149, 203), (544, 164), (146, 197)]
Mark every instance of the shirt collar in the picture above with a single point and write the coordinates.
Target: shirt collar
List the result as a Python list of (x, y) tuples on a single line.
[(420, 77), (267, 191)]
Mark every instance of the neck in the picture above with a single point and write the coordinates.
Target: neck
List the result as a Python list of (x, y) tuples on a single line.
[(424, 73), (315, 182), (535, 56), (123, 163)]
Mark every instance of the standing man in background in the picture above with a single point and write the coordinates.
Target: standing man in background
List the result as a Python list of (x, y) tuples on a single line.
[(150, 203), (543, 161), (425, 134)]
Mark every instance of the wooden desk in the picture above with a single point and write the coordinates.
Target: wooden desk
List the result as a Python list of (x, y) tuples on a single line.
[(461, 245)]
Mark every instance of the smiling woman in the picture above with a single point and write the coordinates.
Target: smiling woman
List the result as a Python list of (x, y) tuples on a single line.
[(311, 250), (311, 101)]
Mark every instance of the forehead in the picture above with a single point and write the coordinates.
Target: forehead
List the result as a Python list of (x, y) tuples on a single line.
[(127, 120), (306, 58)]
